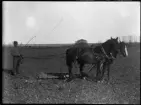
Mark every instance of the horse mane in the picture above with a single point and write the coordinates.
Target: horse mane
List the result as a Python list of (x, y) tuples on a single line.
[(107, 41), (108, 45)]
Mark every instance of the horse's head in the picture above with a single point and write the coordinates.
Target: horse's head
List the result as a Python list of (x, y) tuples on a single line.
[(120, 46), (123, 49), (115, 43), (111, 46), (115, 46)]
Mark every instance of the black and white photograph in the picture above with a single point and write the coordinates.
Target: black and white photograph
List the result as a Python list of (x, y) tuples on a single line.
[(70, 52)]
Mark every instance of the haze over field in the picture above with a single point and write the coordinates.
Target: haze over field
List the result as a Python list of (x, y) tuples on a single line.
[(66, 22)]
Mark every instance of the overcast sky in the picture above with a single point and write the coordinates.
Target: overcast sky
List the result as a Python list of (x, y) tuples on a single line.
[(66, 22)]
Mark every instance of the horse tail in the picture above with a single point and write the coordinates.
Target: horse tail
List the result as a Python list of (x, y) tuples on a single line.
[(68, 61)]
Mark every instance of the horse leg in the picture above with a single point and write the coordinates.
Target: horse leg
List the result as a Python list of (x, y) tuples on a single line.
[(81, 71), (98, 72), (108, 72), (70, 73), (103, 69)]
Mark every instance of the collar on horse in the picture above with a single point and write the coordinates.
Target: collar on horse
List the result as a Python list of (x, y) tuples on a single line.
[(106, 53)]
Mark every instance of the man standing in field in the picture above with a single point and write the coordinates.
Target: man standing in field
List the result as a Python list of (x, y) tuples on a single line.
[(17, 58)]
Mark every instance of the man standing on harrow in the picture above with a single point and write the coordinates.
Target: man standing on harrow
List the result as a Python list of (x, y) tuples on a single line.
[(17, 58)]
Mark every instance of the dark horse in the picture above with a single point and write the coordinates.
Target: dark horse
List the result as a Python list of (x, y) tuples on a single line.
[(121, 49), (87, 55)]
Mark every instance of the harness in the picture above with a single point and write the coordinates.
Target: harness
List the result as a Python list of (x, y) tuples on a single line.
[(98, 56), (106, 53)]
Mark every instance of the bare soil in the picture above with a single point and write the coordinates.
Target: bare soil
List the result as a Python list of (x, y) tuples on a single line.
[(123, 87)]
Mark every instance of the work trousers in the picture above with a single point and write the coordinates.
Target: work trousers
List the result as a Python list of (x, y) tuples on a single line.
[(16, 63)]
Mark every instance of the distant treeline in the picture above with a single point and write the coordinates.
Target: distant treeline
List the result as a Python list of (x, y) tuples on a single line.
[(63, 45), (46, 45)]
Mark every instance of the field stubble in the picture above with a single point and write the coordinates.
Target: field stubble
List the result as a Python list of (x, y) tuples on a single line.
[(124, 86)]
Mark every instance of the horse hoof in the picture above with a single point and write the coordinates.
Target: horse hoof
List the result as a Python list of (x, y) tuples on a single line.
[(98, 81), (68, 80), (107, 82), (82, 77), (85, 78), (88, 79), (94, 80), (103, 81)]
